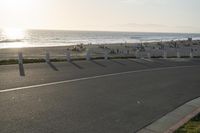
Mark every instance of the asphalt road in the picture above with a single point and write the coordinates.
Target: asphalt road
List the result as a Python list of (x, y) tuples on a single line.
[(115, 96)]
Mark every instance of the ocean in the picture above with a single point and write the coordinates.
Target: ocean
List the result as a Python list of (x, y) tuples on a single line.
[(46, 38)]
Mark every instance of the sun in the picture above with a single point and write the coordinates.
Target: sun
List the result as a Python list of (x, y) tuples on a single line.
[(13, 34)]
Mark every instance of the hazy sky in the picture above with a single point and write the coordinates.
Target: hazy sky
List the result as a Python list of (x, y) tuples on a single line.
[(112, 15)]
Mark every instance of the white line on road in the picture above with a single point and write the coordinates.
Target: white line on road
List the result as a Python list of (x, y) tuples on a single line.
[(93, 77)]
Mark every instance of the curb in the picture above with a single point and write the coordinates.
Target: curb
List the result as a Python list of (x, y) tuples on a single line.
[(175, 119)]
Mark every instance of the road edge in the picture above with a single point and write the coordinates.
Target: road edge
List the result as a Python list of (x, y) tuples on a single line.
[(175, 119)]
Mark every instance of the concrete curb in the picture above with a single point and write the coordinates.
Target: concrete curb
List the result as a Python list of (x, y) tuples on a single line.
[(175, 119)]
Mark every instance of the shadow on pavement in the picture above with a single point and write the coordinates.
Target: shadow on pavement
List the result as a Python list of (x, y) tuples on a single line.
[(153, 62), (76, 65), (97, 63), (117, 62), (21, 70), (140, 63), (52, 66)]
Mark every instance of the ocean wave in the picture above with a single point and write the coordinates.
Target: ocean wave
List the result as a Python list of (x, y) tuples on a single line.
[(10, 40)]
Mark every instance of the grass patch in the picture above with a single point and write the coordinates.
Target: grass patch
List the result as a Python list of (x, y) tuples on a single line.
[(185, 57), (157, 57), (27, 61), (193, 126), (8, 62)]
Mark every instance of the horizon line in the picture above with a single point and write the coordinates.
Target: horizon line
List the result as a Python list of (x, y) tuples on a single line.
[(93, 30)]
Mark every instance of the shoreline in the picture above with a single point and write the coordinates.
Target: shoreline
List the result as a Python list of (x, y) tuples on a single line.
[(94, 44)]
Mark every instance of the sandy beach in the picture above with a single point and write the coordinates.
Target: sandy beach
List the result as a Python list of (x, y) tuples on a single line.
[(152, 49)]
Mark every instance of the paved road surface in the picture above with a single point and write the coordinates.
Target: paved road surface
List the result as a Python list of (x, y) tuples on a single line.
[(117, 96)]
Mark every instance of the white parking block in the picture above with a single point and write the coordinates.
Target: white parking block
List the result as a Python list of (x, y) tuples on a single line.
[(88, 57), (165, 54), (148, 55), (136, 54), (178, 54), (106, 55), (47, 57), (68, 54), (20, 58), (191, 55)]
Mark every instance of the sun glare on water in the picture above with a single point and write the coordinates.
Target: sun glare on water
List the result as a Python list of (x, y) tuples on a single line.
[(14, 34), (14, 37)]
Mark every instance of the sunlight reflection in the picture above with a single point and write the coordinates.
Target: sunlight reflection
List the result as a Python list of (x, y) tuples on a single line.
[(13, 38), (13, 34)]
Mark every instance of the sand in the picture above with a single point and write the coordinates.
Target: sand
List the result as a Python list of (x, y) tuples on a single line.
[(155, 49)]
